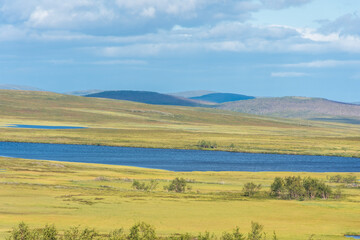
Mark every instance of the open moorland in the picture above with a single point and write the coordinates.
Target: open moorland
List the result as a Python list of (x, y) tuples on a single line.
[(124, 123), (102, 197)]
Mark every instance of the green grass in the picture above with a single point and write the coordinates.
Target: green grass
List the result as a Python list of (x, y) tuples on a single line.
[(101, 196), (122, 123)]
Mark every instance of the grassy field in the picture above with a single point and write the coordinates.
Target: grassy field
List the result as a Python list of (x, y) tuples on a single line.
[(101, 196), (122, 123)]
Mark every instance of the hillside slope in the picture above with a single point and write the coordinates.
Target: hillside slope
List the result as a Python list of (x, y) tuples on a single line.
[(131, 124), (147, 97), (295, 107), (83, 92), (190, 94), (222, 97)]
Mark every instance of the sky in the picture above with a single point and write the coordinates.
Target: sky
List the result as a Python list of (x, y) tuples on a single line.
[(254, 47)]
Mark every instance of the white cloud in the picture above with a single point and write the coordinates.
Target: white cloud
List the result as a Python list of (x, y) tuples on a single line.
[(288, 74), (120, 62), (77, 14), (348, 24), (324, 64)]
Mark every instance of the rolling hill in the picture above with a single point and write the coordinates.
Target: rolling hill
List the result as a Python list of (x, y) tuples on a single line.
[(298, 107), (190, 94), (132, 124), (83, 92), (222, 97), (148, 97)]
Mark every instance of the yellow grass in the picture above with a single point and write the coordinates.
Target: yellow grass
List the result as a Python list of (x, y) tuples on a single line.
[(101, 196)]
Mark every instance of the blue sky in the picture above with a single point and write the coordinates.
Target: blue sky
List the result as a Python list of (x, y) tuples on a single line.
[(255, 47)]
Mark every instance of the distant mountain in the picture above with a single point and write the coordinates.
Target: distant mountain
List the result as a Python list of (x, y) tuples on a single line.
[(298, 107), (18, 87), (147, 97), (222, 97), (358, 103), (84, 92), (190, 94)]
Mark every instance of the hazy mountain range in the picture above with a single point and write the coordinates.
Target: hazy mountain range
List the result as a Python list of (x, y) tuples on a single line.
[(285, 107), (149, 98), (298, 107)]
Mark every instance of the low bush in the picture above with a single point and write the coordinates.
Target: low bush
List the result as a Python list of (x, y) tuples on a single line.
[(145, 187), (139, 231), (178, 185), (207, 144), (250, 189)]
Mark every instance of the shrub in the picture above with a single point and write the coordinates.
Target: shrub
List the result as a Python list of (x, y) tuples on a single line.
[(177, 185), (343, 179), (49, 233), (206, 236), (256, 232), (142, 231), (207, 144), (235, 235), (145, 187), (117, 235), (277, 187), (185, 236), (250, 189), (21, 232), (75, 233)]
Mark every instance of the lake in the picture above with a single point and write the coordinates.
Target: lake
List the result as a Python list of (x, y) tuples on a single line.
[(179, 160), (42, 126)]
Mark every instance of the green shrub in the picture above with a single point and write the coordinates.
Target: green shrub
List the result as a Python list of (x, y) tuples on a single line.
[(207, 144), (142, 231), (256, 232), (178, 185), (145, 187), (75, 233), (250, 189), (235, 235)]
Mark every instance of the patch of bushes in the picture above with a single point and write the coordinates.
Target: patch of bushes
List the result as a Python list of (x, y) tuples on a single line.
[(139, 231), (145, 187), (300, 188), (178, 185), (349, 179), (250, 189), (207, 144)]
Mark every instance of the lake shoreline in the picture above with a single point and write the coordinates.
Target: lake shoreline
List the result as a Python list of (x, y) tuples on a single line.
[(178, 160), (195, 149)]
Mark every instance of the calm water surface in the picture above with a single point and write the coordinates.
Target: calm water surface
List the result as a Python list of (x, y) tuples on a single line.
[(179, 160), (42, 127)]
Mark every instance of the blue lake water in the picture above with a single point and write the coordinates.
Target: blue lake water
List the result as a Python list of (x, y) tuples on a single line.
[(353, 237), (179, 160), (42, 126)]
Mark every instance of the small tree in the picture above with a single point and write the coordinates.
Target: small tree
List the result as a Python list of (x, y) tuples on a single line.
[(49, 233), (117, 235), (256, 232), (311, 186), (145, 187), (250, 189), (142, 231), (235, 235), (277, 187), (177, 185), (21, 232)]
